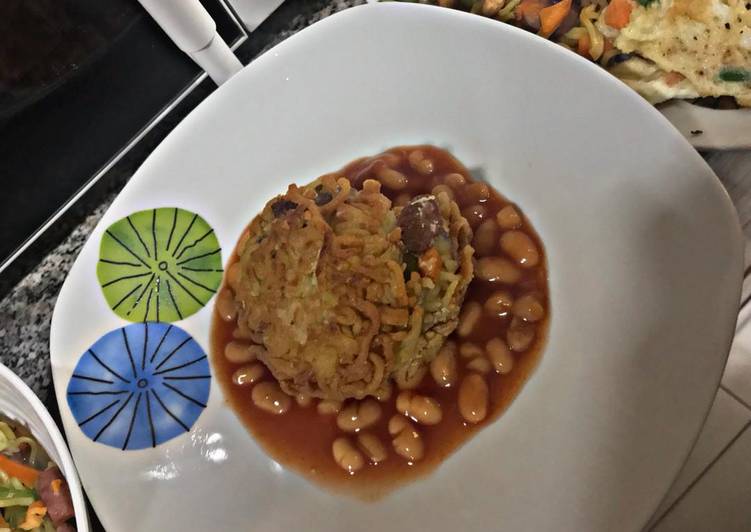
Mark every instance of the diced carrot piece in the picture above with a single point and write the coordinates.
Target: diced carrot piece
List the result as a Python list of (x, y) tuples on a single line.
[(618, 13), (27, 475), (673, 78), (583, 46), (529, 10), (552, 16), (430, 263)]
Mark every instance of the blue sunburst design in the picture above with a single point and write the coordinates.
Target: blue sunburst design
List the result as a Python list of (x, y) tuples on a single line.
[(139, 386)]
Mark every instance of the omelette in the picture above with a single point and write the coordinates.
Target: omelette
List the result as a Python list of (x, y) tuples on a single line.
[(685, 49)]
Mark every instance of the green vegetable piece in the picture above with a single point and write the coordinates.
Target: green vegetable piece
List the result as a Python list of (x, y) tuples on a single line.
[(159, 265), (735, 75), (646, 3), (15, 515), (15, 497)]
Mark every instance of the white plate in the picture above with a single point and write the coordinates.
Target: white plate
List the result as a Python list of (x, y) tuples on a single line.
[(645, 265)]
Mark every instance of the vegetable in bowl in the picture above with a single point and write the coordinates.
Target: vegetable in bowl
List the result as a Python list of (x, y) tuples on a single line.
[(34, 495)]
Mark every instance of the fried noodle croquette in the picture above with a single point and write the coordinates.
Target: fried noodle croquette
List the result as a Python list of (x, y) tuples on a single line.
[(346, 293)]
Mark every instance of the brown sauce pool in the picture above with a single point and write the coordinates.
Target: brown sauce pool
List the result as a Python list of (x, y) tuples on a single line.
[(301, 439)]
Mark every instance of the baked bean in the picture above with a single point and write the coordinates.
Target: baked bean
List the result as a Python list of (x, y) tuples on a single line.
[(443, 366), (443, 188), (225, 305), (473, 398), (233, 276), (476, 193), (246, 375), (419, 163), (480, 365), (500, 356), (303, 399), (402, 199), (358, 415), (372, 447), (391, 158), (529, 308), (407, 441), (468, 318), (499, 303), (520, 247), (383, 393), (425, 410), (485, 238), (345, 454), (455, 181), (269, 397), (240, 353), (475, 214), (508, 218), (520, 334), (397, 423), (328, 407), (242, 332), (497, 270), (391, 178), (469, 350)]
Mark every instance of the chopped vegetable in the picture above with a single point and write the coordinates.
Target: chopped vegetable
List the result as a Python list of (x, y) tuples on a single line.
[(646, 3), (14, 515), (618, 13), (16, 497), (735, 75), (551, 17), (582, 45), (34, 515), (431, 263), (529, 12), (673, 78), (27, 475)]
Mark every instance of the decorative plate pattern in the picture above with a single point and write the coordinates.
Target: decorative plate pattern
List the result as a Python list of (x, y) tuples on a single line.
[(139, 386), (159, 265)]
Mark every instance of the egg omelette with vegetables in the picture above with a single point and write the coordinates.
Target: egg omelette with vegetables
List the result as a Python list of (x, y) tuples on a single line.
[(664, 49)]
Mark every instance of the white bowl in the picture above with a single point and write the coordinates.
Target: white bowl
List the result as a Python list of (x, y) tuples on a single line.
[(645, 263), (19, 403)]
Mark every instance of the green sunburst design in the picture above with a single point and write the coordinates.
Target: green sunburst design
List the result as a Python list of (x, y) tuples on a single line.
[(159, 265)]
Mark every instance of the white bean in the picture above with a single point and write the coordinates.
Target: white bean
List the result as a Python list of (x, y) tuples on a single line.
[(473, 398), (347, 456), (425, 410), (529, 308), (500, 356), (443, 366), (468, 318), (407, 441), (358, 415), (269, 397), (520, 247), (372, 447), (246, 375)]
